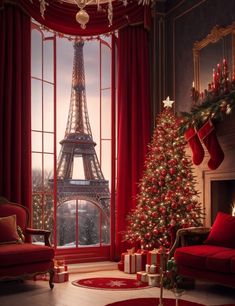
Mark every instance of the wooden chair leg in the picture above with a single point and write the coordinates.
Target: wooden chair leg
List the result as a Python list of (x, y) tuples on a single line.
[(51, 279)]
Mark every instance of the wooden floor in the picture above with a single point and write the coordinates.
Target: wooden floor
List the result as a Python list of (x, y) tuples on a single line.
[(37, 293)]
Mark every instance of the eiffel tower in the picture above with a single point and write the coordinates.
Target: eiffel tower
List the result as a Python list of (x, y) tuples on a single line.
[(78, 142)]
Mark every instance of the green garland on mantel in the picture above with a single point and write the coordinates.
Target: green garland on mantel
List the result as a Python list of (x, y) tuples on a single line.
[(214, 106), (215, 103)]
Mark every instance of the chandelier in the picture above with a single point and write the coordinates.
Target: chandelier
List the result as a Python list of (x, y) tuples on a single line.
[(82, 17)]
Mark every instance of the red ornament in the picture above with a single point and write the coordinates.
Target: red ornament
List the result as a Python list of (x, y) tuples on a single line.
[(154, 214), (189, 208), (163, 172), (154, 189), (174, 205), (147, 236), (161, 183), (172, 171), (155, 231)]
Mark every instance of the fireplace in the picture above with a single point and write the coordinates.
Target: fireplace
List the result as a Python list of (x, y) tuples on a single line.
[(222, 197), (217, 187)]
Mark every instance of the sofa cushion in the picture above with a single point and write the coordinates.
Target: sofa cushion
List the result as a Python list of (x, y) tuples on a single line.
[(221, 261), (8, 230), (16, 254), (206, 257), (194, 256), (222, 231)]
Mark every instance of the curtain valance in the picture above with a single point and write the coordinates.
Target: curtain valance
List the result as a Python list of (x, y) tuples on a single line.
[(60, 17)]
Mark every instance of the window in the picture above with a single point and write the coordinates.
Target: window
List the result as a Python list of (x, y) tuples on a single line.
[(71, 142)]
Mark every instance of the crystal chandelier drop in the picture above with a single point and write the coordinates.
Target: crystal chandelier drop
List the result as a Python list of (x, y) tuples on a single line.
[(83, 17)]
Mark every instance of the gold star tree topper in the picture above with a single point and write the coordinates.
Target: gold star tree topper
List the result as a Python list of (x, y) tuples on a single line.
[(168, 102)]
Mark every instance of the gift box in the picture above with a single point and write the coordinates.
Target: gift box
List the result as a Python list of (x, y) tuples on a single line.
[(121, 262), (153, 269), (61, 277), (154, 257), (129, 263), (59, 269), (154, 280), (142, 276), (121, 266), (134, 262), (140, 261), (158, 258)]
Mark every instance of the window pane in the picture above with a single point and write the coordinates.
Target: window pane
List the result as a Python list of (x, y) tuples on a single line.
[(106, 160), (88, 224), (105, 231), (105, 66), (49, 213), (106, 114), (36, 54), (37, 210), (36, 141), (36, 98), (48, 61), (66, 224), (48, 168), (48, 107), (37, 172), (48, 142)]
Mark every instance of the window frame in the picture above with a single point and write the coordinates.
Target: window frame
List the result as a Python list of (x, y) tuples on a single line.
[(89, 253)]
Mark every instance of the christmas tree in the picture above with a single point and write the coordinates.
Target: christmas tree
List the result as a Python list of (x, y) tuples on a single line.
[(167, 200)]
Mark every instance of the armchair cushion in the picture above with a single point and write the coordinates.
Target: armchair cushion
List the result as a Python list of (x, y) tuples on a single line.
[(8, 230), (222, 231), (207, 257), (25, 253)]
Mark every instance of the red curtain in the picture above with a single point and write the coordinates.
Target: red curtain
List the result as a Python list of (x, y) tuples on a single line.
[(15, 109), (133, 120)]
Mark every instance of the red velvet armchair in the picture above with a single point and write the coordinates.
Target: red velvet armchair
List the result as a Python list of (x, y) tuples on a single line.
[(207, 253), (19, 258)]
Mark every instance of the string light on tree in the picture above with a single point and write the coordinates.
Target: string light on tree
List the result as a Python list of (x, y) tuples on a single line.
[(167, 199)]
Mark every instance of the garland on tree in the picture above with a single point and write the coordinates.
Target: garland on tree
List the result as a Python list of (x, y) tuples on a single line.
[(167, 199)]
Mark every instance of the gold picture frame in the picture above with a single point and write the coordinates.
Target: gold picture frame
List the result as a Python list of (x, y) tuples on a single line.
[(215, 39)]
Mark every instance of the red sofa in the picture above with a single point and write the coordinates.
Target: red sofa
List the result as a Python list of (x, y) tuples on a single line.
[(207, 253), (19, 258)]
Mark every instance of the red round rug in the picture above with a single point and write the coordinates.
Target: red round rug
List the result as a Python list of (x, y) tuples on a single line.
[(153, 302), (110, 283)]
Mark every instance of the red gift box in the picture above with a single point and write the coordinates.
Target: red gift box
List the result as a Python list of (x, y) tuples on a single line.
[(153, 257), (140, 261), (157, 257), (61, 277), (121, 266)]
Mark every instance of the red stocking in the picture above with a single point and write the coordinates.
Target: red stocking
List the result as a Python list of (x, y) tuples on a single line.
[(207, 134), (195, 145)]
